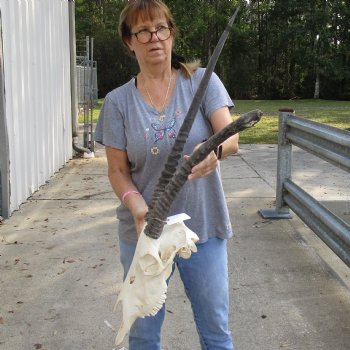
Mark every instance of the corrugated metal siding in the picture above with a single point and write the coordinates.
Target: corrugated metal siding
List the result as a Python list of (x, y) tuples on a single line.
[(4, 150), (37, 84)]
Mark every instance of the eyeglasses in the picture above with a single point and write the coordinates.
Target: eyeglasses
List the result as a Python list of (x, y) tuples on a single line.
[(144, 36)]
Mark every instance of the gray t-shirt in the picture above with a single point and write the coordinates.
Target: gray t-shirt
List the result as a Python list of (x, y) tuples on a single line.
[(128, 123)]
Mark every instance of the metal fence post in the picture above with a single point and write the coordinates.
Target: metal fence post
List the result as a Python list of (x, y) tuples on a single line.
[(284, 165)]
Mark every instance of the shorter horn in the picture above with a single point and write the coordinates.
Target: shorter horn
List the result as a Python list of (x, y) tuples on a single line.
[(161, 208)]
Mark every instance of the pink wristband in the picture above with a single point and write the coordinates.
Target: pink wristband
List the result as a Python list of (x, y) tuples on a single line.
[(129, 192)]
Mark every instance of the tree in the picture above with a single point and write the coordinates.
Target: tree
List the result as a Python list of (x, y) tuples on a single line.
[(271, 51)]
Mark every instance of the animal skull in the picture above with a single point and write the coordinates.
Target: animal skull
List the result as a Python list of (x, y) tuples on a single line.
[(144, 290)]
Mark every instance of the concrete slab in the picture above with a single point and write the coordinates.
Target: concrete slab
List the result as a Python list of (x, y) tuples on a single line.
[(235, 167), (60, 271), (319, 178), (249, 187), (284, 293), (58, 275), (80, 179)]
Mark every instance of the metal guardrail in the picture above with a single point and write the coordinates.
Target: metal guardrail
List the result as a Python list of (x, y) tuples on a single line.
[(330, 144)]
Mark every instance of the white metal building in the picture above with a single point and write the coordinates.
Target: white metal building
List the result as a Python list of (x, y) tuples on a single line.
[(35, 96)]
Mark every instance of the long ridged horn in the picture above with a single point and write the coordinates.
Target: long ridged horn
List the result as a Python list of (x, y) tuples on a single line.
[(175, 154), (160, 211)]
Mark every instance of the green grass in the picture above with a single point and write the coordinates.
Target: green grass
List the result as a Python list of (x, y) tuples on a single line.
[(95, 114), (335, 113)]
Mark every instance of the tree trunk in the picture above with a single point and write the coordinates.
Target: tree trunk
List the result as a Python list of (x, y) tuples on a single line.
[(317, 84)]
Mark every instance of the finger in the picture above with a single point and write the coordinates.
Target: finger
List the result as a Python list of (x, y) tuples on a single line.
[(208, 164), (202, 171)]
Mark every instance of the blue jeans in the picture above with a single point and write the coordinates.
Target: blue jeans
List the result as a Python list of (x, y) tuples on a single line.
[(205, 278)]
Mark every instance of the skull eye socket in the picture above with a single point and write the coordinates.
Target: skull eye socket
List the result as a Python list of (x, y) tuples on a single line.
[(150, 265), (167, 253)]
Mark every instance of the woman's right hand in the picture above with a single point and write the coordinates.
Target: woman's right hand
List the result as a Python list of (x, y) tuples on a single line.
[(139, 211)]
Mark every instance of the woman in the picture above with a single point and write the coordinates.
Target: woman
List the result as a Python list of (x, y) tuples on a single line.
[(138, 124)]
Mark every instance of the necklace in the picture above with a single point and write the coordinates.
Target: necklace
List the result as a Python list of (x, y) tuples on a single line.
[(162, 116)]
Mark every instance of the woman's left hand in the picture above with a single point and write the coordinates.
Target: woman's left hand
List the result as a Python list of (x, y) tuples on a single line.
[(205, 167), (219, 119)]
